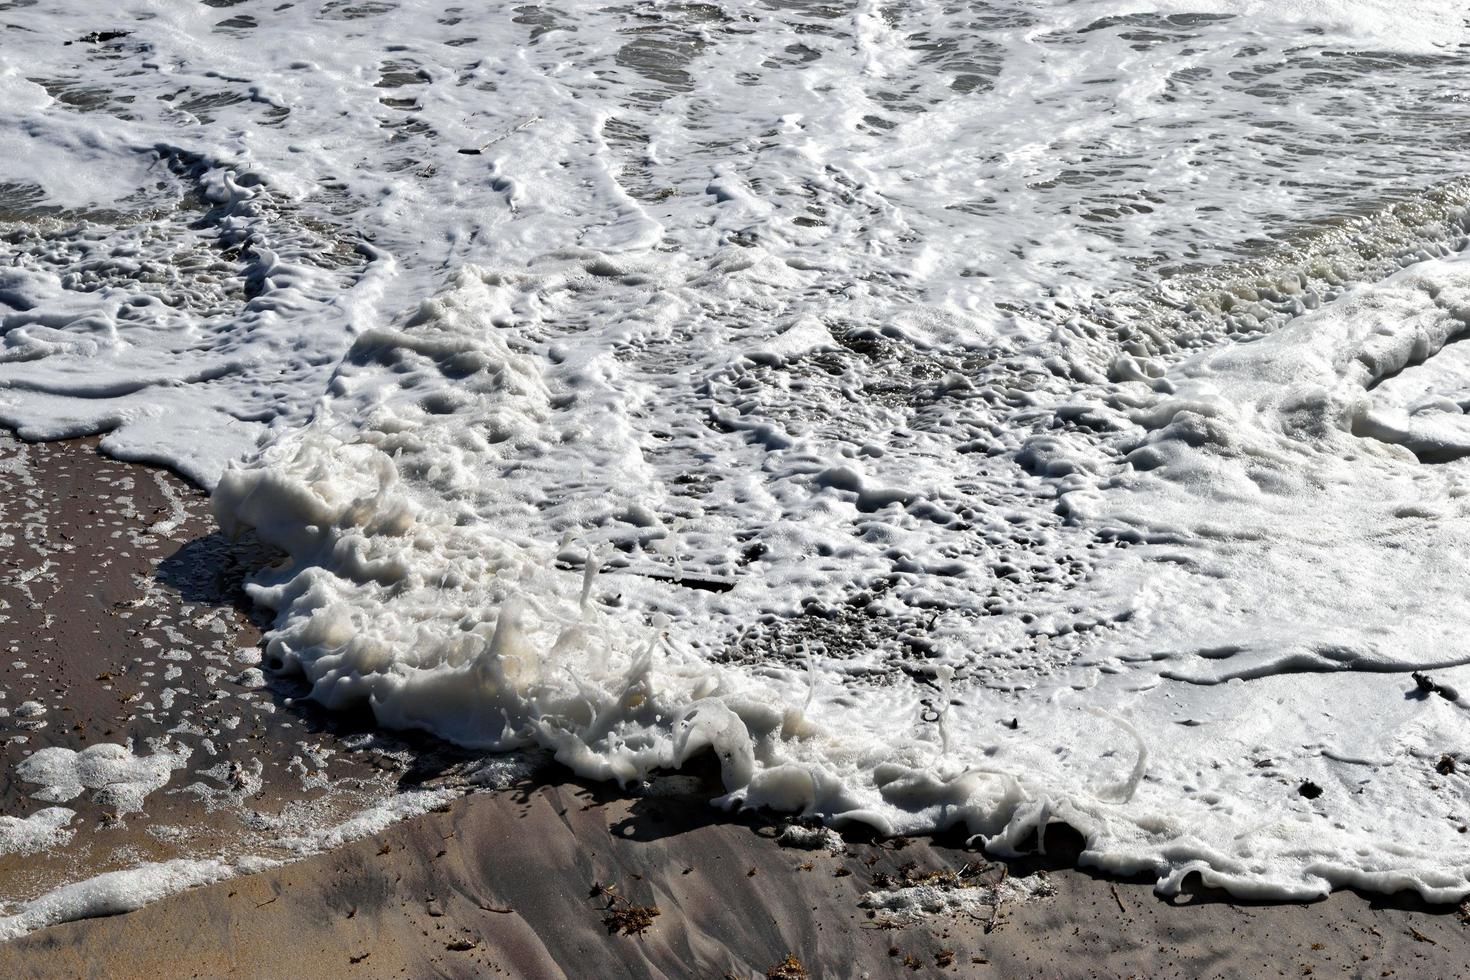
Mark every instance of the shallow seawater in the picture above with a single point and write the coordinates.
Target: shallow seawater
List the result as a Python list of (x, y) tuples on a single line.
[(980, 414)]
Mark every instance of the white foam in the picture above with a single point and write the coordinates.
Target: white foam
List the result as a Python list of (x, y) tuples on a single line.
[(119, 779), (110, 894), (370, 821), (403, 593), (911, 903), (1435, 26), (43, 829), (920, 390), (115, 892)]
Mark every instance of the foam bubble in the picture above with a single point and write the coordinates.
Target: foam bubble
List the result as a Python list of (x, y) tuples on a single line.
[(119, 779)]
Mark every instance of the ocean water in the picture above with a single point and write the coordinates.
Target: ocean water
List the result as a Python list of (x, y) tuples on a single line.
[(949, 414)]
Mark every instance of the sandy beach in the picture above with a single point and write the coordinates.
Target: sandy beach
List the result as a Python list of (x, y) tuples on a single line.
[(513, 884), (544, 876), (1033, 430), (748, 488)]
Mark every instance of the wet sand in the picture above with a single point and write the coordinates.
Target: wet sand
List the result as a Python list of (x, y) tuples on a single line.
[(124, 623), (110, 567)]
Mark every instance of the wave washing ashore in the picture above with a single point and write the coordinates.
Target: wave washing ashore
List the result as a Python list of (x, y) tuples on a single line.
[(971, 415)]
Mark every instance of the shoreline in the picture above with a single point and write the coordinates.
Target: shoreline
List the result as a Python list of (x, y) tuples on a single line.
[(526, 881), (504, 879)]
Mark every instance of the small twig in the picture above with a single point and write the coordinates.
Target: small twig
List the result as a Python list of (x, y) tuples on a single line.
[(264, 904), (1005, 873), (1117, 898), (1421, 937), (994, 916), (477, 150)]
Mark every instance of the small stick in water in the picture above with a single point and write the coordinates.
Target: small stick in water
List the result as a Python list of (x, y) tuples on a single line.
[(475, 151)]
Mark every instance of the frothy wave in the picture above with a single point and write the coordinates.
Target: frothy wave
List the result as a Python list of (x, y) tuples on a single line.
[(975, 415)]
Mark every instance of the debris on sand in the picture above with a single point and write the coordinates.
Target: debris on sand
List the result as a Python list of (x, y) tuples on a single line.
[(622, 916), (788, 969), (811, 839), (629, 919), (909, 875), (913, 896)]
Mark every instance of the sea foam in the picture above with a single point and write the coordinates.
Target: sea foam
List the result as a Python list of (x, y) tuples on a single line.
[(978, 416)]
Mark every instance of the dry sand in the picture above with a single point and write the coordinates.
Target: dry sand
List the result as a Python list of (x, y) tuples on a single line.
[(524, 881)]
